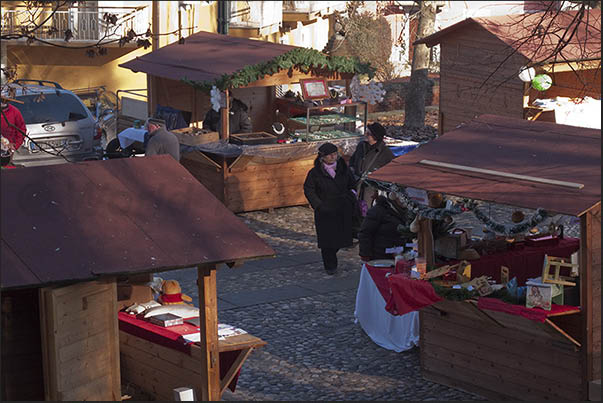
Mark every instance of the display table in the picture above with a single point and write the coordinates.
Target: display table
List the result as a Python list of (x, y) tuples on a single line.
[(523, 261), (158, 359), (397, 333)]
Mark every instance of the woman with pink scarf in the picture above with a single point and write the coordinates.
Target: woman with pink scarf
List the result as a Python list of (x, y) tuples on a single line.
[(329, 189)]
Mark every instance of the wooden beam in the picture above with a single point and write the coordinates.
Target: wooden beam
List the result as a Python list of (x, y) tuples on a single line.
[(208, 329), (503, 174), (425, 241), (234, 368)]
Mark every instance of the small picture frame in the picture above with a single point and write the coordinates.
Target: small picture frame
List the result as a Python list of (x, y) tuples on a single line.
[(314, 88), (539, 295)]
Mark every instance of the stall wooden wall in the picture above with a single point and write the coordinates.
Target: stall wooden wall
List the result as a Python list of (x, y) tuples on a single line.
[(572, 85), (262, 186), (590, 282), (80, 342), (184, 97), (251, 186), (497, 355), (467, 58), (22, 375)]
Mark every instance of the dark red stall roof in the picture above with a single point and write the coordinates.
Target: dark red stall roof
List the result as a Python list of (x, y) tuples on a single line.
[(517, 31), (516, 146), (205, 56), (80, 221)]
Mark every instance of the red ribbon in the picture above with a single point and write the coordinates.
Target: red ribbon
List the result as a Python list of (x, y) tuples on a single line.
[(171, 297)]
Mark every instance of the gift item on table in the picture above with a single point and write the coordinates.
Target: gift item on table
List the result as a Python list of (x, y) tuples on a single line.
[(403, 266), (421, 264), (166, 320), (539, 295), (514, 291), (463, 273), (452, 243)]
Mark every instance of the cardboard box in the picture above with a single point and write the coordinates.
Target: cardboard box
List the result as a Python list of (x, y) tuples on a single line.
[(128, 294), (192, 136)]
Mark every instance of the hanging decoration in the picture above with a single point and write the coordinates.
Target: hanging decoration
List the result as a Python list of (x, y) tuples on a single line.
[(465, 205), (371, 92), (527, 74), (217, 99), (542, 82)]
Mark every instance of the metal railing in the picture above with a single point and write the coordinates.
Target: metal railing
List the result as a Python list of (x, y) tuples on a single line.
[(86, 25), (264, 15), (313, 6)]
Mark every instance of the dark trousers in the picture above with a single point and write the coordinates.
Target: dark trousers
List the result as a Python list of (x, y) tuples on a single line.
[(329, 259)]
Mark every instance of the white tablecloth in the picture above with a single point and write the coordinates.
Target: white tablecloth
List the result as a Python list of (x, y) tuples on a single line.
[(130, 135), (397, 333)]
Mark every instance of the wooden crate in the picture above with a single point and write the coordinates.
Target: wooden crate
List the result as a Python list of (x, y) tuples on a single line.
[(192, 136), (247, 184), (253, 138), (497, 355)]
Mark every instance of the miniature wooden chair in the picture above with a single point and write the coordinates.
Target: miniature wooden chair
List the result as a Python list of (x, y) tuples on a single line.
[(556, 262)]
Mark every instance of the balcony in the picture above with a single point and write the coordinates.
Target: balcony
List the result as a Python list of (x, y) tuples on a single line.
[(264, 17), (86, 25), (306, 11)]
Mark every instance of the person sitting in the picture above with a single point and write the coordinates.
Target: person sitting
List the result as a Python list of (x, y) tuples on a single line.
[(238, 122), (385, 226), (160, 141)]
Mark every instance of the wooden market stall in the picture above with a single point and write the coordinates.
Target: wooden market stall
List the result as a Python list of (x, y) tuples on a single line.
[(180, 76), (527, 164), (480, 60), (79, 242)]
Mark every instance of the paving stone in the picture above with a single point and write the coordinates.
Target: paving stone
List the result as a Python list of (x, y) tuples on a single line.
[(315, 351)]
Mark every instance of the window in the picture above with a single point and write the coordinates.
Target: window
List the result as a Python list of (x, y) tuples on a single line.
[(53, 107)]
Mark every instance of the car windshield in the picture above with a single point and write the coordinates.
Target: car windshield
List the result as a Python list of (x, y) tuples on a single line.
[(51, 107)]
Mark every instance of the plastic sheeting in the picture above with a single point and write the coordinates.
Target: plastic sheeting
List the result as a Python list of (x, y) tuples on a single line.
[(272, 153)]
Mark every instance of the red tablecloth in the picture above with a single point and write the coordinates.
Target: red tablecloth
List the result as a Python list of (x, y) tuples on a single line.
[(523, 262), (172, 337), (401, 294), (537, 314)]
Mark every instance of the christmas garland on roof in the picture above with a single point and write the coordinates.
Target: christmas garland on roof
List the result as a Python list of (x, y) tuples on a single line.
[(466, 205), (304, 59)]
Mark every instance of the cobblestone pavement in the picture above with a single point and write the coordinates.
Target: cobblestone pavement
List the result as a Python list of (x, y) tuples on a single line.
[(315, 351)]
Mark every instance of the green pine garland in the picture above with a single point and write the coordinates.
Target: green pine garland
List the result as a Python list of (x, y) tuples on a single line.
[(304, 59)]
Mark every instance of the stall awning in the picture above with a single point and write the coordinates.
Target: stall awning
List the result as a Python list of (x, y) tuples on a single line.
[(206, 56), (537, 149), (83, 220)]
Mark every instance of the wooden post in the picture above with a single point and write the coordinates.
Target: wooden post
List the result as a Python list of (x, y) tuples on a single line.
[(225, 129), (208, 329), (425, 241)]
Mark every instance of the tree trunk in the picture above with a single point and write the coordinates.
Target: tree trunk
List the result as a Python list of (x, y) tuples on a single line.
[(414, 106)]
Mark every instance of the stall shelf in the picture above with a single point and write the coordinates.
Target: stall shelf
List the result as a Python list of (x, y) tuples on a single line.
[(340, 122), (474, 346), (243, 184), (70, 234)]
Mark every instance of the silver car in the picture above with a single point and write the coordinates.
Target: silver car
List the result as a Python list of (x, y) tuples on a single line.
[(59, 126)]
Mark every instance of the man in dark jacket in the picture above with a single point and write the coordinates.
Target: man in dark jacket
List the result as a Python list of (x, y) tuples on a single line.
[(370, 154), (329, 189), (385, 226), (238, 122), (160, 141)]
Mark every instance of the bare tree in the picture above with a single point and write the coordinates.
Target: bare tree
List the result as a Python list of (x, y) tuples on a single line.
[(414, 106)]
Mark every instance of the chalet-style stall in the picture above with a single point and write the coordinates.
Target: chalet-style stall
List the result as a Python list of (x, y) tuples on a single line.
[(79, 241), (496, 354), (480, 59), (263, 175)]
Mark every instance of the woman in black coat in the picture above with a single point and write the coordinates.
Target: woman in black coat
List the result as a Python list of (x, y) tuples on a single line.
[(329, 189), (385, 226)]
